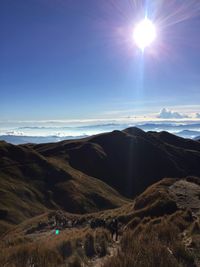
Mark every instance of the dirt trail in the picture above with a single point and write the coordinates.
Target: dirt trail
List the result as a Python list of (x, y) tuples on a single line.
[(99, 262)]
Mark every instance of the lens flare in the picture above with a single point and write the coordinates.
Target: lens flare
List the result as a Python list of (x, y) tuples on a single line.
[(57, 231), (144, 33)]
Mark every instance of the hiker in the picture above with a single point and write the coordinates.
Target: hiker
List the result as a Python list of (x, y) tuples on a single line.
[(113, 227), (92, 224), (57, 219), (52, 222), (96, 223), (104, 223), (74, 223), (40, 225)]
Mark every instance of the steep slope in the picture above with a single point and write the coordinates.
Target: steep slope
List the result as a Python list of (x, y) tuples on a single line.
[(31, 184), (129, 160), (25, 179)]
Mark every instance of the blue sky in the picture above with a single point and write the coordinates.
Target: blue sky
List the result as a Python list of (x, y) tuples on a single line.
[(75, 59)]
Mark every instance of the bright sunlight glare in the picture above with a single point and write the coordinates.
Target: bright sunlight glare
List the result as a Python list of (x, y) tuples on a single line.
[(144, 33)]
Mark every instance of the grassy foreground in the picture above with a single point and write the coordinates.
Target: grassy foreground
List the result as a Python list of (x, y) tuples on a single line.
[(157, 229)]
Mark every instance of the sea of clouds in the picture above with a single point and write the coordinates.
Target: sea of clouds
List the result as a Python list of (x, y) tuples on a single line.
[(54, 131)]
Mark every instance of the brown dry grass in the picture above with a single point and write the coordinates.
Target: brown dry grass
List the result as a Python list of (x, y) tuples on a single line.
[(70, 247), (153, 236), (152, 243)]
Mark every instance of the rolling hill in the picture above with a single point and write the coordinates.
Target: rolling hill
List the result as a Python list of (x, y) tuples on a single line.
[(128, 160), (30, 184), (90, 174)]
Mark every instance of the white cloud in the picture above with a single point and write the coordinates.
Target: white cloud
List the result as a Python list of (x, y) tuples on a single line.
[(168, 114), (198, 115), (17, 133)]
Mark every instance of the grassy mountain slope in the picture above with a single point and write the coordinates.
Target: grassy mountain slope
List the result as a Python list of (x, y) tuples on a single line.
[(128, 160), (159, 228), (31, 184), (84, 175)]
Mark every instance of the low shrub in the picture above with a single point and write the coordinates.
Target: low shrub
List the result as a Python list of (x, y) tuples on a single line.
[(65, 249), (89, 246)]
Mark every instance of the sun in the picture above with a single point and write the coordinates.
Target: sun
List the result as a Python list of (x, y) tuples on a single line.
[(144, 33)]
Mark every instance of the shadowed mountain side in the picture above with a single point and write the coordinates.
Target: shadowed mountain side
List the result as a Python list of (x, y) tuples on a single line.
[(176, 141), (129, 160), (85, 193), (197, 138), (31, 184)]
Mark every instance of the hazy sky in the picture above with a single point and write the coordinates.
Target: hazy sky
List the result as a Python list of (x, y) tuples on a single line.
[(75, 59)]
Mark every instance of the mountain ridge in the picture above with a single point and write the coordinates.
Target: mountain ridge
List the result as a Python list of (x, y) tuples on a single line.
[(90, 174)]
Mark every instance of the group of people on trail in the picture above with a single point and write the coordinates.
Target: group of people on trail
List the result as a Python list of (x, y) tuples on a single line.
[(62, 222), (98, 223), (58, 220)]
